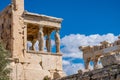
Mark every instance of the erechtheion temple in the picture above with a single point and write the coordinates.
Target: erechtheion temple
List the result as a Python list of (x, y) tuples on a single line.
[(106, 52), (18, 26)]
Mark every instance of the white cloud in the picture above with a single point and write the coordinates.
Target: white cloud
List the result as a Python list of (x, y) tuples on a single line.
[(65, 62), (73, 55), (52, 43), (73, 68), (70, 44)]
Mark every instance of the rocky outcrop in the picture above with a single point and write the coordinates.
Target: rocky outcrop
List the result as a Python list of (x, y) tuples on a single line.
[(111, 72), (111, 59)]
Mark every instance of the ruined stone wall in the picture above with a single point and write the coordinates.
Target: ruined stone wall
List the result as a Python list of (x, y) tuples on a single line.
[(36, 66), (18, 29), (6, 28), (111, 72), (27, 65)]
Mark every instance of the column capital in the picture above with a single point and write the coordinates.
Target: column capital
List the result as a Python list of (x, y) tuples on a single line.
[(57, 30), (40, 28)]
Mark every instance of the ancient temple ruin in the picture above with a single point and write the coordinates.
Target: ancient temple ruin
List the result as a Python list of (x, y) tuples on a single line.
[(18, 26), (107, 53)]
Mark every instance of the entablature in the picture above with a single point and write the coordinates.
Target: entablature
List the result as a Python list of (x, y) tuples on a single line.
[(44, 20)]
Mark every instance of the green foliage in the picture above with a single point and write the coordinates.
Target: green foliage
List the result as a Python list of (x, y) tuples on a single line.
[(46, 78), (4, 71)]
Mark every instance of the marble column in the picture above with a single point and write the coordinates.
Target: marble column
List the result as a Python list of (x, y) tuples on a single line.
[(41, 38), (33, 44), (95, 63), (57, 41), (87, 64), (48, 43)]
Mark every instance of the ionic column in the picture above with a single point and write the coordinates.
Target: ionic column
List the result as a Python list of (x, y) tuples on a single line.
[(33, 44), (95, 63), (48, 43), (41, 38), (57, 41), (87, 64)]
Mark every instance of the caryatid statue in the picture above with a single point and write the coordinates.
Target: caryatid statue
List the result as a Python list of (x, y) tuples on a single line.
[(57, 41), (48, 42), (41, 39)]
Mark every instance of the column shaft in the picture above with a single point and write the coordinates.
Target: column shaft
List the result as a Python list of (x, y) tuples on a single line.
[(41, 38), (87, 64), (48, 43), (95, 64), (57, 41)]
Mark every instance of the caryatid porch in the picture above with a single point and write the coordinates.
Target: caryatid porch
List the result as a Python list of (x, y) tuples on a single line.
[(41, 27)]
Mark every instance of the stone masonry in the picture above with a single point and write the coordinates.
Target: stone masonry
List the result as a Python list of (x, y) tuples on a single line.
[(100, 52), (109, 54), (18, 26), (111, 72)]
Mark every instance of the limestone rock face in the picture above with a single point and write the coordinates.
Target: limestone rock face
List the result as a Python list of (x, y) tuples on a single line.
[(111, 72), (111, 59)]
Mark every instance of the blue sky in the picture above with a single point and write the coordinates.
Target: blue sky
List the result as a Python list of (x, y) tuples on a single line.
[(80, 16), (83, 19)]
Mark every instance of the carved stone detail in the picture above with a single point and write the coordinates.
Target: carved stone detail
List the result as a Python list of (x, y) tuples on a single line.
[(93, 53), (41, 39), (57, 41), (16, 28)]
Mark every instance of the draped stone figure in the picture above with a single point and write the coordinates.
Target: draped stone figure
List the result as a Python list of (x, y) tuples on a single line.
[(33, 44), (48, 43), (57, 41), (41, 39)]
